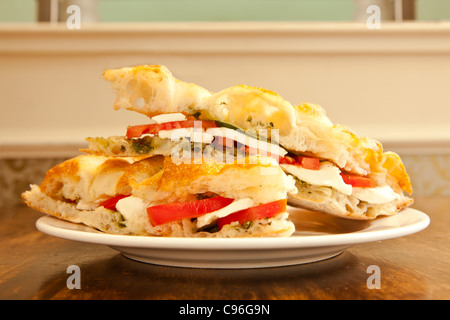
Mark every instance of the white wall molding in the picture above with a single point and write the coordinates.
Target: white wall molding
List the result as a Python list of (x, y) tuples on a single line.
[(232, 37)]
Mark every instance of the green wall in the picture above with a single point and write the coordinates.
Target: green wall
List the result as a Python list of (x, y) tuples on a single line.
[(221, 10)]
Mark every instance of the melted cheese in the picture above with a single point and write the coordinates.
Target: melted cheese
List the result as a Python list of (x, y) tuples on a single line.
[(376, 195), (328, 175), (169, 117), (132, 208), (260, 144)]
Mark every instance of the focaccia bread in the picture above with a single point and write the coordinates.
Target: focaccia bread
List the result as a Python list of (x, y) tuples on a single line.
[(81, 190), (152, 90)]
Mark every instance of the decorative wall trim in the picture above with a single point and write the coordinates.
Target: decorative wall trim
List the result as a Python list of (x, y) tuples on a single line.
[(228, 37)]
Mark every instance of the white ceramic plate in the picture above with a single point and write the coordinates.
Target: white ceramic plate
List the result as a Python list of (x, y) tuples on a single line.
[(318, 237)]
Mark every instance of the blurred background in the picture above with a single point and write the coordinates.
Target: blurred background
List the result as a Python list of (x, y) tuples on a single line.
[(389, 81), (220, 10)]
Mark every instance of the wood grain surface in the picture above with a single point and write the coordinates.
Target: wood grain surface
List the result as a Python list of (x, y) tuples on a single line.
[(34, 265)]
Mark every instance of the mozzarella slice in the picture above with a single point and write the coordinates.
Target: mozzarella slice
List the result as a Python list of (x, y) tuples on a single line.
[(327, 175), (235, 206), (169, 117), (132, 208), (376, 195), (260, 144)]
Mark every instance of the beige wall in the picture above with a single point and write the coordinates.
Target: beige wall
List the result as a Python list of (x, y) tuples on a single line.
[(392, 84)]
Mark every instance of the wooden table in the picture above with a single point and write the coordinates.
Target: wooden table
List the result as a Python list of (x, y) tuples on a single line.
[(34, 265)]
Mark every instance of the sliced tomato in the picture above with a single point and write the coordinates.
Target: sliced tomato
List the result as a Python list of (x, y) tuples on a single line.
[(308, 162), (111, 202), (154, 128), (311, 163), (267, 210), (287, 160), (192, 209), (137, 131), (358, 181)]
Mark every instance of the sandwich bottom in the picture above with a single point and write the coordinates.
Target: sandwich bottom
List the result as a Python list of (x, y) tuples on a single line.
[(331, 201), (112, 222)]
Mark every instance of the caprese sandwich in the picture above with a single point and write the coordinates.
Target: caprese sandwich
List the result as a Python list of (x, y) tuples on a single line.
[(336, 171)]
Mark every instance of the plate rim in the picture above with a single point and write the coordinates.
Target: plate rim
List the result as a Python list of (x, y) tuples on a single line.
[(44, 224)]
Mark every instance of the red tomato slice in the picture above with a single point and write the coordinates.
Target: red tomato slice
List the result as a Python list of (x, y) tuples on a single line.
[(154, 128), (192, 209), (266, 210), (137, 131), (287, 160), (358, 181), (308, 162), (111, 202)]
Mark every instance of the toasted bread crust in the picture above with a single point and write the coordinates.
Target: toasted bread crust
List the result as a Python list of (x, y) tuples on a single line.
[(152, 90)]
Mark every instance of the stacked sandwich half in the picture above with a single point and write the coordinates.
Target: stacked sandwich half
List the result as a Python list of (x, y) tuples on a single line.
[(218, 165)]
